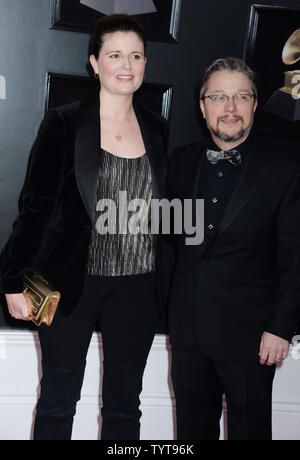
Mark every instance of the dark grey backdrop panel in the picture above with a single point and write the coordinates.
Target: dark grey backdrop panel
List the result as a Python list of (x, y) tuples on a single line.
[(63, 89), (263, 52), (159, 26), (30, 49)]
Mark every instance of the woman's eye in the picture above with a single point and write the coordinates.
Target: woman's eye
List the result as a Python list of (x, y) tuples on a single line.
[(114, 56)]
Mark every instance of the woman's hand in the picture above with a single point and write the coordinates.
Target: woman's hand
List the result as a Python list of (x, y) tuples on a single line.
[(17, 306)]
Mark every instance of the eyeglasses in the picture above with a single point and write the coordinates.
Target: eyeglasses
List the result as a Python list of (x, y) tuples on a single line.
[(242, 98)]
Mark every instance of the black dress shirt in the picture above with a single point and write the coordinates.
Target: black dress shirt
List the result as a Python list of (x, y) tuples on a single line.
[(216, 186)]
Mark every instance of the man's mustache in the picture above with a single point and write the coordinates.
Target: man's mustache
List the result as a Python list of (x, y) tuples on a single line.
[(231, 118)]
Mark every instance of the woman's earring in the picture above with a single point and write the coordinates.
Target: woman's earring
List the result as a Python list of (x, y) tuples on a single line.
[(97, 76)]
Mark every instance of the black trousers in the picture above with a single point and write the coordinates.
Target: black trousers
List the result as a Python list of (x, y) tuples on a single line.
[(199, 384), (127, 310)]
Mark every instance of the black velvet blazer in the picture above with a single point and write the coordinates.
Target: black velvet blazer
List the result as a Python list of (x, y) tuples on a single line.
[(52, 231)]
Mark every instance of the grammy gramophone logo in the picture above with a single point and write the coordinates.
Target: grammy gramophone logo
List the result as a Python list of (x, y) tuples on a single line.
[(285, 102)]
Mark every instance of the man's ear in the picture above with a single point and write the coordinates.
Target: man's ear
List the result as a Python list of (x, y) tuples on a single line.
[(202, 107), (255, 105)]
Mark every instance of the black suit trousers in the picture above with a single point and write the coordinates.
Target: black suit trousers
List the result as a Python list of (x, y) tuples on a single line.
[(199, 384)]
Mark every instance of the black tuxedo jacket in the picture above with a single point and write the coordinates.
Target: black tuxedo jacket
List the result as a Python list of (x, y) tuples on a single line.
[(246, 281), (52, 231)]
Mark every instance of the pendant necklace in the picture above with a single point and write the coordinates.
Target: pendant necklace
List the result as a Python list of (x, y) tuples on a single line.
[(118, 137)]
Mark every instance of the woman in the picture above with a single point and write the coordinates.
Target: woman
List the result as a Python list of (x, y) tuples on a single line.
[(85, 154)]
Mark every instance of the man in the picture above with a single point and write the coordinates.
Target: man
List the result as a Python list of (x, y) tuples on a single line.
[(235, 298)]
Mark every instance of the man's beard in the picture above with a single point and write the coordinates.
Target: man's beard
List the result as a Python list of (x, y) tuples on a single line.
[(230, 138)]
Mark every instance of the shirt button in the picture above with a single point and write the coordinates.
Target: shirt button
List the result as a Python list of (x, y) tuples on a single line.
[(210, 226), (220, 174), (214, 200)]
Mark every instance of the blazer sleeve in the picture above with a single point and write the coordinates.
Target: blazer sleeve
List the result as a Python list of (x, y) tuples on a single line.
[(284, 317), (36, 203)]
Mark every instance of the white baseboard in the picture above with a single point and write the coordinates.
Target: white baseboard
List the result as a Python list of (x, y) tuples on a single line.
[(19, 388)]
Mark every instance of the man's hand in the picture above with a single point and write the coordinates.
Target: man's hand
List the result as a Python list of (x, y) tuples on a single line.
[(17, 306), (273, 349)]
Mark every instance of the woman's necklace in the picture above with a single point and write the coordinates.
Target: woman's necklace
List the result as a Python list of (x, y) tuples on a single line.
[(118, 137)]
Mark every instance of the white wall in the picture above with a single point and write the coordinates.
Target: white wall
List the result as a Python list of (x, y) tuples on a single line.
[(19, 387)]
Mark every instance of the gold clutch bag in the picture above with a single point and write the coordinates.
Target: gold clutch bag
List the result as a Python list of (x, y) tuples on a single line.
[(41, 298)]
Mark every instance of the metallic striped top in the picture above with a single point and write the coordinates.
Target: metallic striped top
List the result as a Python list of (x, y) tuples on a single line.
[(121, 242)]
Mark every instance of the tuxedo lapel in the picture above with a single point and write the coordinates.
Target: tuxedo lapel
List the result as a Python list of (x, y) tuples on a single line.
[(87, 151), (197, 167), (256, 169), (154, 150)]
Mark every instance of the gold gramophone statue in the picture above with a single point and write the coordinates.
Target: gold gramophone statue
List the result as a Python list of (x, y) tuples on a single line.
[(285, 102)]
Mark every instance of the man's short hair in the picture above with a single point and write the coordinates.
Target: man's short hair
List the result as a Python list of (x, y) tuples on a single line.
[(230, 64)]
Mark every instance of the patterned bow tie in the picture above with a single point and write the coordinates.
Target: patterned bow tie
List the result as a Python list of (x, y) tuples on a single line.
[(233, 156)]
